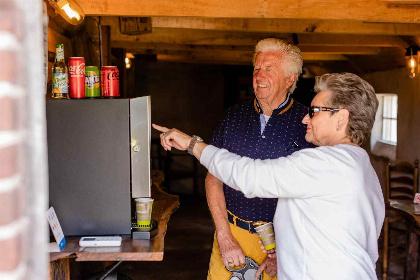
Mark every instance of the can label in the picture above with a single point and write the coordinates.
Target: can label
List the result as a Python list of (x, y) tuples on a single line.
[(60, 81), (92, 82), (77, 77), (110, 81)]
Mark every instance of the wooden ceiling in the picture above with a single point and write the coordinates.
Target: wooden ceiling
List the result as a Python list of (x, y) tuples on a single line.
[(357, 35)]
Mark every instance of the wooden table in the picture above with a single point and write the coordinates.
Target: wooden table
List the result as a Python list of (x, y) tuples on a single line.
[(130, 250), (411, 214)]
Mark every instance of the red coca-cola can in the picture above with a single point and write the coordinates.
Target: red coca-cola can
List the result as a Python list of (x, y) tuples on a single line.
[(77, 77), (110, 82)]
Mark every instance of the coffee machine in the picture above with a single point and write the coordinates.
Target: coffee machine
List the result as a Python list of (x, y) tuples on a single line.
[(99, 159)]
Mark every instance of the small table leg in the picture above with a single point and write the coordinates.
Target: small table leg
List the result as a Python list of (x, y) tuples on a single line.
[(410, 269), (60, 269)]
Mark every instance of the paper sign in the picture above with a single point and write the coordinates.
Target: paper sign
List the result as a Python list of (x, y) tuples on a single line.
[(56, 228)]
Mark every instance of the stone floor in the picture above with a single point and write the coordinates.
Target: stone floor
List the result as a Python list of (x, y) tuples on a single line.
[(188, 248)]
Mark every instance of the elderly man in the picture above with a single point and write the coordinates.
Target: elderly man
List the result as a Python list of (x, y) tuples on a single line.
[(266, 128)]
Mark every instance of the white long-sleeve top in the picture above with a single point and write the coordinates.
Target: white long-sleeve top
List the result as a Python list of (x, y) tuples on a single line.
[(329, 213)]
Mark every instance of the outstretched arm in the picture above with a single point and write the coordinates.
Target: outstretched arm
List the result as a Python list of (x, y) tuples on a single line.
[(295, 176)]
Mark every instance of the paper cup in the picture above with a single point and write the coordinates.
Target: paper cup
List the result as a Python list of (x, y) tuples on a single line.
[(144, 211), (266, 234)]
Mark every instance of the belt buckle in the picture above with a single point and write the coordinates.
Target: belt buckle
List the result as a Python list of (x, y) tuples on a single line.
[(234, 218)]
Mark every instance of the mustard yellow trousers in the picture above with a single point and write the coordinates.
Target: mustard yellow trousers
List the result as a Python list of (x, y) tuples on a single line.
[(250, 247)]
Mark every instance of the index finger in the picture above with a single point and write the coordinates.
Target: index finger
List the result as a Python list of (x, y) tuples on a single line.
[(160, 128), (259, 271)]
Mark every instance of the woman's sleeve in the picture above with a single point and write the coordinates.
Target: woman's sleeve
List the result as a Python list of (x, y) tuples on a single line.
[(299, 175)]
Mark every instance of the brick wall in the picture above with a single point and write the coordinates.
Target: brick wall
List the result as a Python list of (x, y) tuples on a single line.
[(12, 220), (16, 184)]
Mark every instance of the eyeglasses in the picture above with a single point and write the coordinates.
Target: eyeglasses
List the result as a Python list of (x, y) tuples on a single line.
[(314, 109)]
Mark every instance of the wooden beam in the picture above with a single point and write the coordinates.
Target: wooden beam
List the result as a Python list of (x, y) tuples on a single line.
[(403, 3), (280, 25), (244, 57), (351, 40), (288, 25), (363, 10), (210, 37), (133, 46), (200, 37), (194, 60)]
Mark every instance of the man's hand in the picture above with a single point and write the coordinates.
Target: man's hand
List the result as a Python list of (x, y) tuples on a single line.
[(230, 251), (270, 267)]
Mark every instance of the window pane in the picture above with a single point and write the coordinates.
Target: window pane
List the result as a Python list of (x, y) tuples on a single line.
[(386, 123), (389, 130), (394, 106), (390, 106), (387, 106)]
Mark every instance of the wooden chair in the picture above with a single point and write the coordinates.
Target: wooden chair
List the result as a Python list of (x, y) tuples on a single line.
[(402, 181)]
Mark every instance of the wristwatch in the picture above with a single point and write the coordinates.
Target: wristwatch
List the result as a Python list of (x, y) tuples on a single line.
[(195, 139)]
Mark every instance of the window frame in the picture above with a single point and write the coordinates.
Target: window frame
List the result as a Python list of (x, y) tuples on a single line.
[(391, 118)]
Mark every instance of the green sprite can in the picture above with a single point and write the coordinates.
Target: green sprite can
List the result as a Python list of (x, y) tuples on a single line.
[(92, 82)]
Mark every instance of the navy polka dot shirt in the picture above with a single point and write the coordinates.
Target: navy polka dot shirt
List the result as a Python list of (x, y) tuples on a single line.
[(240, 132)]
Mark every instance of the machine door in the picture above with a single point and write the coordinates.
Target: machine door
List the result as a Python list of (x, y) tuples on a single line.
[(140, 126)]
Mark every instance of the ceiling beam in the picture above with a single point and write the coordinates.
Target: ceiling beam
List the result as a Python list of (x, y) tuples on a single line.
[(133, 46), (280, 25), (243, 57), (362, 10), (209, 37), (288, 25)]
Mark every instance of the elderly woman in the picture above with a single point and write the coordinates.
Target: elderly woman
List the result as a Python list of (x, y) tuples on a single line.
[(331, 208)]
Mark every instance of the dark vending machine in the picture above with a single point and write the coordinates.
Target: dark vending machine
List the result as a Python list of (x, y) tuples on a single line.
[(99, 159)]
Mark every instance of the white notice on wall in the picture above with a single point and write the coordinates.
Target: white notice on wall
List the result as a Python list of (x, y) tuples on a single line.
[(56, 228)]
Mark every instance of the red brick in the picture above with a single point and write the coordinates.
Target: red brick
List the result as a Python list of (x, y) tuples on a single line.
[(8, 66), (9, 206), (11, 19), (10, 253), (7, 114), (8, 161)]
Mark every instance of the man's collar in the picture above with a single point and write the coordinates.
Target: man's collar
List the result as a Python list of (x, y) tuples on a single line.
[(283, 107)]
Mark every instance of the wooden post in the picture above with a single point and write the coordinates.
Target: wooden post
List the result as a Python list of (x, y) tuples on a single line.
[(60, 270), (410, 270), (385, 249), (106, 45)]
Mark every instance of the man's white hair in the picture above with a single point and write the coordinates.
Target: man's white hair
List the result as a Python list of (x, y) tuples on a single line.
[(292, 60)]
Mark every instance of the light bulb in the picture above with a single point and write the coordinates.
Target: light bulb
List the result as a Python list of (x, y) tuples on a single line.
[(127, 63), (69, 10), (412, 62)]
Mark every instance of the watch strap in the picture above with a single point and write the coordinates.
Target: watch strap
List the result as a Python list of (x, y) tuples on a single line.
[(195, 139)]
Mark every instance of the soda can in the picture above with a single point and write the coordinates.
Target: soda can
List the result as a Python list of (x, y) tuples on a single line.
[(92, 83), (110, 82), (77, 77)]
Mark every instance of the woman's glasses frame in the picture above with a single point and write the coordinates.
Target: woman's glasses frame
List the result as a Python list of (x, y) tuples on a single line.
[(315, 109)]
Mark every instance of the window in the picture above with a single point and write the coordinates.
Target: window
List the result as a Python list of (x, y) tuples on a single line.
[(389, 118), (383, 139)]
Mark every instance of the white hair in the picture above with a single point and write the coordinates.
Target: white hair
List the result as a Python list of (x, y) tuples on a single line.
[(292, 60)]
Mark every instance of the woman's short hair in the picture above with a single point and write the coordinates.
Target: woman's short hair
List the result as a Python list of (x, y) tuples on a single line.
[(292, 60), (351, 92)]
